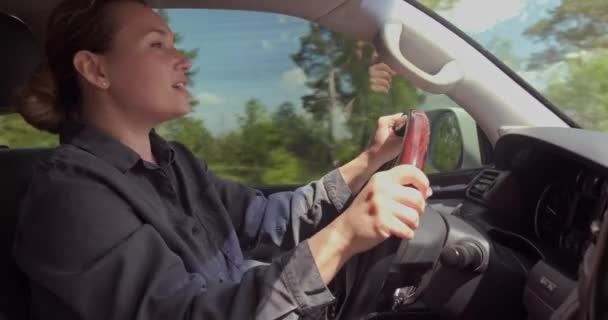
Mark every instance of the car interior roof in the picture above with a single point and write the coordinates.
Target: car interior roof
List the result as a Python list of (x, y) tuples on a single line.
[(34, 12)]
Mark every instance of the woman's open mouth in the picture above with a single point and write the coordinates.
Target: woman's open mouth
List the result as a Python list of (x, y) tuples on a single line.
[(180, 86)]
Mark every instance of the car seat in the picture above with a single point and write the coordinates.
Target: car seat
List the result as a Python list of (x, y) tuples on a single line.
[(19, 56)]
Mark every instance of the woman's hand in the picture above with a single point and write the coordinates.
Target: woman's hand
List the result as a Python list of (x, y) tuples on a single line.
[(389, 205), (385, 144), (384, 147), (380, 77)]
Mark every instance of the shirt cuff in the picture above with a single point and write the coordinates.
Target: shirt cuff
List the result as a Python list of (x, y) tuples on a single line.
[(302, 278), (337, 190)]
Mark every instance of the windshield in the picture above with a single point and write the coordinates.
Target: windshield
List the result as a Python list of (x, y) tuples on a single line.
[(560, 47)]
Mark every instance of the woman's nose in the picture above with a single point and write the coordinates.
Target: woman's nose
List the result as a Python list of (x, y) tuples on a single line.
[(183, 62)]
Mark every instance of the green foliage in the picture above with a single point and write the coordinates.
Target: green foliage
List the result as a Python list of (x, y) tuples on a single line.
[(16, 133), (503, 50), (337, 69), (439, 4), (192, 133), (574, 25), (277, 148), (578, 34), (284, 169), (446, 150), (583, 91)]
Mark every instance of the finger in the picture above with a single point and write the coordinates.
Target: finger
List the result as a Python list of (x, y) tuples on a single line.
[(384, 67), (380, 82), (398, 229), (405, 196), (397, 121), (411, 175), (380, 74), (405, 214), (390, 120), (396, 116), (378, 89)]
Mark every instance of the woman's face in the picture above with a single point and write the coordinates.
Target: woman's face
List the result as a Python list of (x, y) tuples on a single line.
[(146, 73)]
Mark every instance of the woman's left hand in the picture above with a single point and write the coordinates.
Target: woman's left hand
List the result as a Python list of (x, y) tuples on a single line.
[(385, 144)]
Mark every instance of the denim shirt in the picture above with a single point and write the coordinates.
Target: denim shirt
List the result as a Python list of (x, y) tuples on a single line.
[(104, 234)]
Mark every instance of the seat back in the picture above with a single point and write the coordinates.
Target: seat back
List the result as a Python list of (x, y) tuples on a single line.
[(19, 56), (16, 167)]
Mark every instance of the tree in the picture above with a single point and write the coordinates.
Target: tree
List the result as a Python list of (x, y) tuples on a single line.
[(577, 34), (583, 91), (187, 130), (573, 26), (503, 49), (337, 69), (192, 133)]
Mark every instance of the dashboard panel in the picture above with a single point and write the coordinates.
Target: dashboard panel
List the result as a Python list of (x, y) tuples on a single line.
[(550, 188), (564, 214)]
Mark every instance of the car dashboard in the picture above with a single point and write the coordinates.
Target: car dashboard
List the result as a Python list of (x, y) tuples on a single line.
[(501, 242), (543, 200), (548, 190)]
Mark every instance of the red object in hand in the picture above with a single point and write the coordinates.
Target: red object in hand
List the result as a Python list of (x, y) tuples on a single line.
[(415, 139)]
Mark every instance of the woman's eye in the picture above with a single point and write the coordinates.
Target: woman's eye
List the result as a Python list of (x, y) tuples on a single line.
[(157, 45)]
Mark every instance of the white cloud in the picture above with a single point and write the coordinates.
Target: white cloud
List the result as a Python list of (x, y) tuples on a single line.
[(293, 78), (477, 16), (266, 44), (209, 99)]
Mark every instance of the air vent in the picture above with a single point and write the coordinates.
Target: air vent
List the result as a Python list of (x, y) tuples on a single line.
[(482, 184)]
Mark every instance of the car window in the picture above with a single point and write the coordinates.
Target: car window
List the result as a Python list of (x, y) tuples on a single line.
[(560, 47), (16, 133), (278, 100)]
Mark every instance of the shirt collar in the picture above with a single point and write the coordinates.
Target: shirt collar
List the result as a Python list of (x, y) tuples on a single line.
[(111, 150)]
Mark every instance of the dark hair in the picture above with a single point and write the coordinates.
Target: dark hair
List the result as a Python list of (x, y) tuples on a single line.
[(53, 94)]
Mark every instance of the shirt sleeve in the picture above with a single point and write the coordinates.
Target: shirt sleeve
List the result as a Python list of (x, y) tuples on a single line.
[(89, 256), (283, 219)]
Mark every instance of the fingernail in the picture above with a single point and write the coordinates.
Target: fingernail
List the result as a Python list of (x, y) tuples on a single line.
[(429, 192)]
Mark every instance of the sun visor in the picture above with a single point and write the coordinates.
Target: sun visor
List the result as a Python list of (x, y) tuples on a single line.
[(19, 56)]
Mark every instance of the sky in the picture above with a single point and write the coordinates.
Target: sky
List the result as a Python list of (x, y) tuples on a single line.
[(245, 55)]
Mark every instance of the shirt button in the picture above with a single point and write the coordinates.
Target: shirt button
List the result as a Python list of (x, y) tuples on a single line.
[(221, 277)]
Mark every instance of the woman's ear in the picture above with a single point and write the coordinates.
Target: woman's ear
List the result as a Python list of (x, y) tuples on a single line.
[(89, 66)]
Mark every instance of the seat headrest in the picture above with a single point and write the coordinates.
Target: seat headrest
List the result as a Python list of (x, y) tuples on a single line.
[(19, 56)]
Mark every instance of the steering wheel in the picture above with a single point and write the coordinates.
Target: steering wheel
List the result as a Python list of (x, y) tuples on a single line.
[(396, 265)]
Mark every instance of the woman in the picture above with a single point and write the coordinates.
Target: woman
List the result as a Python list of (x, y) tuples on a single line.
[(120, 224)]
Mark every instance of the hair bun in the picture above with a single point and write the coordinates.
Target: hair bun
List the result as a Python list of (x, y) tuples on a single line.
[(37, 101)]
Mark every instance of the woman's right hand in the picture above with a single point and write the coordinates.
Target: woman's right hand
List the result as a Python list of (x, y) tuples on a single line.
[(389, 205)]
